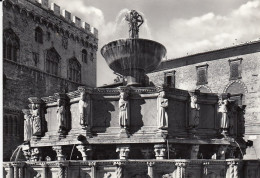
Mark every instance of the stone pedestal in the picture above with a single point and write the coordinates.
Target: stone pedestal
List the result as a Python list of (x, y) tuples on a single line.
[(124, 133), (59, 152), (161, 133), (123, 151), (85, 151), (160, 151)]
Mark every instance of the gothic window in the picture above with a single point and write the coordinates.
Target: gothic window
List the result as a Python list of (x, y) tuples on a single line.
[(202, 74), (237, 91), (84, 55), (10, 45), (74, 72), (52, 61), (39, 35), (235, 68), (169, 79), (35, 59)]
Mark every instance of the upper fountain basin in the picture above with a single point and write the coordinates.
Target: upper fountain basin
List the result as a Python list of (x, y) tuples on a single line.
[(123, 55)]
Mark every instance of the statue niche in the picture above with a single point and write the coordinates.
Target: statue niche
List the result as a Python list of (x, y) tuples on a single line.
[(162, 116)]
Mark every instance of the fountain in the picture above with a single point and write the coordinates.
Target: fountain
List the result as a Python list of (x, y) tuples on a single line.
[(133, 130), (133, 57)]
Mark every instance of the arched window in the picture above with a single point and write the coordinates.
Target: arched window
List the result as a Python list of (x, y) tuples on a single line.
[(84, 55), (237, 91), (74, 72), (52, 61), (11, 45), (39, 35)]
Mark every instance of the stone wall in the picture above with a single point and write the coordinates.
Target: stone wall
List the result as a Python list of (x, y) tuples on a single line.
[(219, 80), (26, 77)]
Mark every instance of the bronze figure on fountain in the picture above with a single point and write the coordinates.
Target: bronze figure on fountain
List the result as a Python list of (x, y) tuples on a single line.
[(135, 20)]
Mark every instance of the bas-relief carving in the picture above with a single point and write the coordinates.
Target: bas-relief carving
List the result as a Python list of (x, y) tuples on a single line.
[(162, 117), (36, 119)]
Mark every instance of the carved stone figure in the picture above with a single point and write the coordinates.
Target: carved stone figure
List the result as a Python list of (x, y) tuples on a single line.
[(28, 124), (84, 109), (135, 20), (123, 110), (224, 120), (162, 116), (61, 116), (36, 119), (194, 112)]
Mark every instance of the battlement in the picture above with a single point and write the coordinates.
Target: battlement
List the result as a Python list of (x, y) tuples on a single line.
[(62, 13)]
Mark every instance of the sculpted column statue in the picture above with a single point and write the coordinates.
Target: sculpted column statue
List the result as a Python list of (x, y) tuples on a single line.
[(37, 116), (224, 119), (194, 116), (123, 110), (162, 116), (84, 110), (28, 124), (135, 20), (62, 113)]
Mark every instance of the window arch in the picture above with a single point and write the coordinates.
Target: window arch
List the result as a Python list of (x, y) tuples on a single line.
[(84, 55), (38, 35), (74, 72), (237, 89), (52, 61), (11, 45)]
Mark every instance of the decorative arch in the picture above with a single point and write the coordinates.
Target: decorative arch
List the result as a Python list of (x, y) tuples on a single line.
[(11, 45), (52, 61), (235, 84), (237, 89), (74, 70), (204, 89)]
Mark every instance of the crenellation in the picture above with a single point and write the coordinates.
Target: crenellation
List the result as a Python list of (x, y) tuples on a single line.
[(94, 31), (86, 26), (56, 9), (66, 14), (44, 3), (77, 21)]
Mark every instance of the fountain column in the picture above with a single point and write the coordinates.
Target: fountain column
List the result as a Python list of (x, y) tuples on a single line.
[(181, 169), (123, 151), (233, 168), (160, 151), (119, 169), (93, 169), (15, 168), (85, 151), (59, 152)]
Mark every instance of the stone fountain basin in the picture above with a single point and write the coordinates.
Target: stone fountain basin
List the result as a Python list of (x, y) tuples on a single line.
[(123, 55)]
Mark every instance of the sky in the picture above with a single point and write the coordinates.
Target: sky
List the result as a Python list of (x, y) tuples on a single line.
[(184, 27)]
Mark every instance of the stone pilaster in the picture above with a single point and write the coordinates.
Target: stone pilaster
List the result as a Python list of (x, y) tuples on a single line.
[(44, 172), (123, 151), (194, 150), (205, 168), (15, 170), (233, 169), (59, 152), (150, 169), (160, 151), (93, 169), (181, 169), (85, 151), (35, 154), (119, 169), (63, 169)]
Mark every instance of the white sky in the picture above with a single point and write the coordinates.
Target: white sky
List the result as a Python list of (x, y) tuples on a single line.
[(184, 27)]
